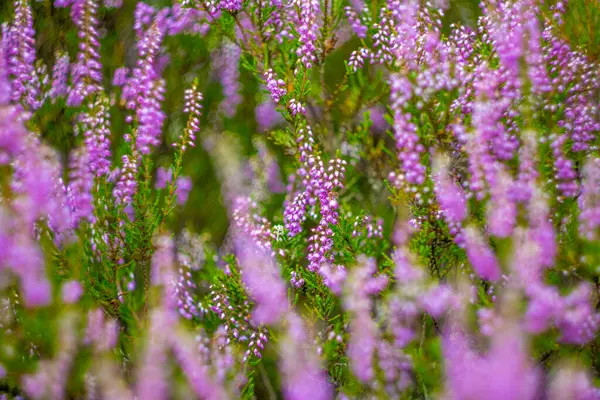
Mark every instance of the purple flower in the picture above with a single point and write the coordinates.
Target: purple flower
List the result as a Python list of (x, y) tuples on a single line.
[(302, 376), (308, 29), (275, 86), (184, 187), (227, 67), (481, 257), (60, 75), (260, 274), (71, 292)]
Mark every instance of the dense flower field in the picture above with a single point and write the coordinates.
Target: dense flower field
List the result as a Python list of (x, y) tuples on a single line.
[(300, 199)]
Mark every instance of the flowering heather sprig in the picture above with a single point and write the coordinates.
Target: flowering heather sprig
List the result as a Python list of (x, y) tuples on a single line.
[(373, 230), (572, 73), (324, 185), (275, 86), (296, 107), (405, 132), (564, 167), (95, 124), (248, 221), (153, 375), (360, 285), (589, 201), (144, 90), (451, 197), (126, 186), (79, 190), (295, 214), (358, 57), (60, 76), (193, 106), (100, 332), (396, 366), (236, 319), (357, 26), (87, 70), (120, 77), (308, 30), (227, 67), (21, 56)]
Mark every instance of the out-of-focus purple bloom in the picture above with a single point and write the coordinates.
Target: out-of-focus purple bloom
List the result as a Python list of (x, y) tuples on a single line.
[(79, 190), (481, 257), (360, 285), (589, 201), (163, 177), (267, 115), (184, 187), (504, 372), (71, 292), (120, 76), (572, 383), (302, 376), (227, 67), (60, 76), (260, 274)]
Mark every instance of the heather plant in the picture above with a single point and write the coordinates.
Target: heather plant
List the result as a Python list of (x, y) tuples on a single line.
[(300, 199)]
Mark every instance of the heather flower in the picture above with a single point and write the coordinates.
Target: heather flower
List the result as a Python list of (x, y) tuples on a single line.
[(79, 190), (87, 69), (357, 26), (275, 86), (193, 107), (144, 91), (95, 124), (120, 76), (307, 30), (126, 186), (21, 56), (405, 132), (60, 75), (296, 107), (450, 196)]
